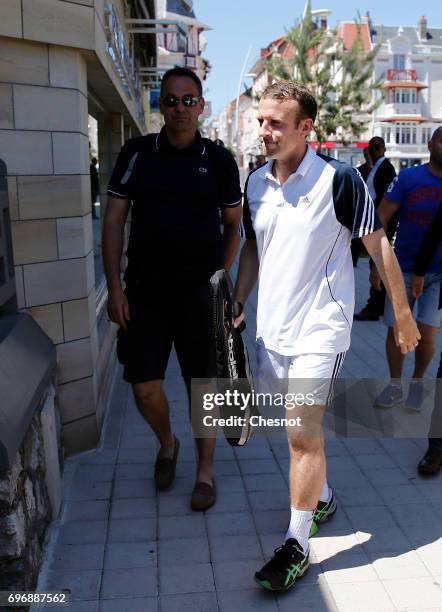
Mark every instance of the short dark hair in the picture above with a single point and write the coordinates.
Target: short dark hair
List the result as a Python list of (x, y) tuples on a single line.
[(182, 72), (292, 90), (435, 133), (377, 142)]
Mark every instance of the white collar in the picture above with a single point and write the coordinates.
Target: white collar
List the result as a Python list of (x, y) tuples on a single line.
[(306, 162)]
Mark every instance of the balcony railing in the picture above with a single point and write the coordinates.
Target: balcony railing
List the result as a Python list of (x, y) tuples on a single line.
[(401, 108), (401, 75)]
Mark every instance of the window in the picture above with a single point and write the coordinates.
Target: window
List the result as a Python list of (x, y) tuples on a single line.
[(426, 134), (405, 96), (406, 135), (386, 134), (398, 62)]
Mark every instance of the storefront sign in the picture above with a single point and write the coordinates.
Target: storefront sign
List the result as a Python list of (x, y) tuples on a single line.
[(117, 48)]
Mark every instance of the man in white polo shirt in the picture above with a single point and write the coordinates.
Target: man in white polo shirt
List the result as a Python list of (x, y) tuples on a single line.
[(301, 211)]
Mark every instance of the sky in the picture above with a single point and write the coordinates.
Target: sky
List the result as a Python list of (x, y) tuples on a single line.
[(240, 24)]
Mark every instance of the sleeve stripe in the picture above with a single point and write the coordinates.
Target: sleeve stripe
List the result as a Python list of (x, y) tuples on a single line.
[(367, 224), (233, 204), (120, 195), (130, 167)]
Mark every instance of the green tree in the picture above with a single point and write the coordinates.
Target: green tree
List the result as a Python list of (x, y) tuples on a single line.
[(340, 79)]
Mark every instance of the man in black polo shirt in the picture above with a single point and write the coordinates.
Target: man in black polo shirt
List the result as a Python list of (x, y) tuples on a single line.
[(177, 182)]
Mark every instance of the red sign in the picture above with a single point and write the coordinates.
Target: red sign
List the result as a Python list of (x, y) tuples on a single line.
[(331, 144), (401, 75)]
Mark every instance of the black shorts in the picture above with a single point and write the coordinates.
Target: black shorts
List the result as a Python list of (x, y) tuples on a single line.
[(183, 317)]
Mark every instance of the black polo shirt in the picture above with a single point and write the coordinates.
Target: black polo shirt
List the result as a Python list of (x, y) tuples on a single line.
[(176, 195)]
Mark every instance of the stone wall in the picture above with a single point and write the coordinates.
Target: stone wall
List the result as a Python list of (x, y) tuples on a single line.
[(25, 512)]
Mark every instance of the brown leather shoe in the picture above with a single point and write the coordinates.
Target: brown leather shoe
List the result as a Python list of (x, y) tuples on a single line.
[(430, 463), (165, 469), (203, 496)]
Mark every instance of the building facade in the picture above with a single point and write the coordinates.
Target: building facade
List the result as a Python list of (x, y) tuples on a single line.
[(61, 64), (183, 47), (409, 69), (409, 66)]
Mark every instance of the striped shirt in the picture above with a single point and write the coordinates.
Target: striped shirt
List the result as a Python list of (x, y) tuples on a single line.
[(303, 231)]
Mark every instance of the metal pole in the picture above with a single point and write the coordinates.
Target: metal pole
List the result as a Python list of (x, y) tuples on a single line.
[(238, 94)]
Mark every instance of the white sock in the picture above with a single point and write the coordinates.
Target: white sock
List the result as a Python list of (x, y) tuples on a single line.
[(299, 528), (325, 493)]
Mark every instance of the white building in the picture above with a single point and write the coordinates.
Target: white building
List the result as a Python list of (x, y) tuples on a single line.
[(409, 65), (182, 48)]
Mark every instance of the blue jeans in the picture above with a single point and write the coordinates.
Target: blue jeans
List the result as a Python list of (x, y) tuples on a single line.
[(426, 307)]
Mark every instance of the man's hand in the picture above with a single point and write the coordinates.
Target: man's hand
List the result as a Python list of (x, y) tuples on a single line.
[(239, 315), (406, 334), (417, 285), (375, 279), (118, 308)]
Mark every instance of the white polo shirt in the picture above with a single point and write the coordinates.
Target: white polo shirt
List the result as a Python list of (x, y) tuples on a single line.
[(303, 232)]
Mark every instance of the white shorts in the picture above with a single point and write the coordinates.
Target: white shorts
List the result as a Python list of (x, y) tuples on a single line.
[(313, 373)]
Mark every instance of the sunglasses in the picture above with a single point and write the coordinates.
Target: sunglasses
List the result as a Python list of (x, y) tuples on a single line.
[(187, 100)]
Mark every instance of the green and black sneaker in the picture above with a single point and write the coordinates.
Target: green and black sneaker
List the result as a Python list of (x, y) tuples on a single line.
[(324, 511), (287, 565)]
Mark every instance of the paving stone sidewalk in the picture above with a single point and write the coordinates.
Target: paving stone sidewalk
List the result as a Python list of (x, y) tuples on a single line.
[(121, 547)]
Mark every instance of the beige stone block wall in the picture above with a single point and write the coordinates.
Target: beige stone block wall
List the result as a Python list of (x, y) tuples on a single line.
[(50, 319), (81, 434), (90, 272), (71, 152), (55, 281), (77, 399), (11, 23), (26, 152), (84, 2), (19, 285), (67, 69), (50, 109), (23, 62), (53, 196), (43, 138), (59, 23), (75, 360), (34, 241), (94, 346), (6, 107), (79, 317), (74, 236), (13, 198)]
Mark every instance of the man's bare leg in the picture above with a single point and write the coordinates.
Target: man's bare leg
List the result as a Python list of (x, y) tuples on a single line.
[(307, 458), (394, 356), (152, 404), (307, 472), (205, 446), (425, 350)]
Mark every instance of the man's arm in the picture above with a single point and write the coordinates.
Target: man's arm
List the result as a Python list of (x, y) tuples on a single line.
[(405, 329), (114, 221), (247, 275), (231, 222), (386, 210)]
